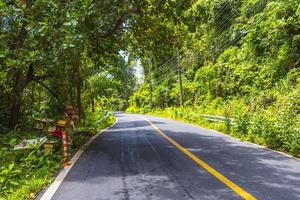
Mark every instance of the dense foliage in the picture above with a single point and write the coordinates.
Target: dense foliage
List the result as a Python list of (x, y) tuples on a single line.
[(25, 172), (239, 59), (54, 53)]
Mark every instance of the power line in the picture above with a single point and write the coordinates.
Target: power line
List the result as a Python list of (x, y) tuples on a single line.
[(220, 25), (173, 59), (223, 8), (171, 69), (166, 77), (231, 43), (167, 69), (225, 25), (168, 61), (230, 17)]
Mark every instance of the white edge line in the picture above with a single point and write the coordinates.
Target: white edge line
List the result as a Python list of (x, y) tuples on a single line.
[(230, 136), (61, 176)]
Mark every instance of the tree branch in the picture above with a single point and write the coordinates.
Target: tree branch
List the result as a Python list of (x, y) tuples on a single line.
[(115, 28), (48, 89), (120, 21)]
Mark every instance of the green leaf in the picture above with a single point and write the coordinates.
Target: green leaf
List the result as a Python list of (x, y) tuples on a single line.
[(5, 171), (41, 29), (14, 182), (298, 11), (4, 52), (33, 54), (10, 62), (11, 166)]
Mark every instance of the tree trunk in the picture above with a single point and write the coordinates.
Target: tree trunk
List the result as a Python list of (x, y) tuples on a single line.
[(78, 88), (21, 81), (16, 99), (32, 99), (93, 104)]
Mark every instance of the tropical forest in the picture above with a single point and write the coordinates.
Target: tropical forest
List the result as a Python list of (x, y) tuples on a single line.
[(228, 65)]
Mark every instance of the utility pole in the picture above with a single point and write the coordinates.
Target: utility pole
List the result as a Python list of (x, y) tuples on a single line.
[(150, 82), (179, 77)]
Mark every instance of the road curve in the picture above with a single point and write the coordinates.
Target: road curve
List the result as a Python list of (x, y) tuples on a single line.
[(133, 161)]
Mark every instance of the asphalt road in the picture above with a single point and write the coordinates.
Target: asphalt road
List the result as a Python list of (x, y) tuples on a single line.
[(133, 161)]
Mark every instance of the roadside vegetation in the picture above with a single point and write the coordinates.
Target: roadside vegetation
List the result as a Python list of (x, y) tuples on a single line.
[(23, 173), (53, 54), (239, 59)]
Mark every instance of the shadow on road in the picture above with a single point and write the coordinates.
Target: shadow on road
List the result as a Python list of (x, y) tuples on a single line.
[(132, 161)]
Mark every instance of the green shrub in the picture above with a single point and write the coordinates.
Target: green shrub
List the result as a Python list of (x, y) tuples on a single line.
[(24, 173)]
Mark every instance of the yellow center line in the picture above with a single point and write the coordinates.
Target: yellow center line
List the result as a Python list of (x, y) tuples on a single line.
[(240, 191)]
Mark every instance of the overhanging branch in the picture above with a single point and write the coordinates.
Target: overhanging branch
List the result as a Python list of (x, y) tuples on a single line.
[(114, 29), (47, 88), (120, 20)]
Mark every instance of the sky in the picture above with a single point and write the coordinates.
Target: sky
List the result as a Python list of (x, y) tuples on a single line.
[(139, 72), (138, 68)]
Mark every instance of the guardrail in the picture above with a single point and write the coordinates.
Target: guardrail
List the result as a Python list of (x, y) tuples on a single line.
[(218, 118), (108, 113), (213, 118)]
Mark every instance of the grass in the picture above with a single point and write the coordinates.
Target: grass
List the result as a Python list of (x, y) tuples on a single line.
[(258, 130), (24, 173), (189, 117)]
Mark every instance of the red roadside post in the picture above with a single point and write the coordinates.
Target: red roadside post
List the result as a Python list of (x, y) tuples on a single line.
[(65, 145), (62, 125)]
